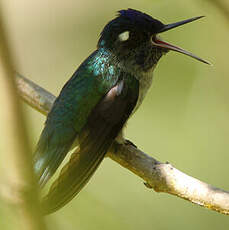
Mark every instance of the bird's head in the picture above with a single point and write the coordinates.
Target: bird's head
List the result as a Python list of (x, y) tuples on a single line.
[(133, 37)]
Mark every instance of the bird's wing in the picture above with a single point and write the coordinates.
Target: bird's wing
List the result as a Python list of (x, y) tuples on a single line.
[(69, 115), (104, 123)]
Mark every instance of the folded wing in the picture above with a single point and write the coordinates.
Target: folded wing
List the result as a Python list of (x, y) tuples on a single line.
[(104, 123)]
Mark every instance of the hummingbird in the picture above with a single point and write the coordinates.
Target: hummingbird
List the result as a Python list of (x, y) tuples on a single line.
[(96, 102)]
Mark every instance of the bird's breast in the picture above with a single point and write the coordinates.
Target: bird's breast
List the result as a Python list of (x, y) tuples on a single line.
[(145, 81)]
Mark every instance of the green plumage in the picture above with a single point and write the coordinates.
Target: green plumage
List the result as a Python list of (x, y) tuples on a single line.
[(91, 108), (71, 110), (96, 102), (103, 125)]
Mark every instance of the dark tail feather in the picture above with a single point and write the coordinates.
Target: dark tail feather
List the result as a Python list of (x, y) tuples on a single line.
[(52, 148), (78, 171), (46, 164)]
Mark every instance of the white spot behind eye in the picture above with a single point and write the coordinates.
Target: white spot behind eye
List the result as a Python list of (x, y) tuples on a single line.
[(124, 36)]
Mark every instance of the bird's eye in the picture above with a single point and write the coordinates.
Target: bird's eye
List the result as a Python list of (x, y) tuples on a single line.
[(124, 36)]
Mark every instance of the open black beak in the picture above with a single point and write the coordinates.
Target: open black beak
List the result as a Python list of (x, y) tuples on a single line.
[(157, 41)]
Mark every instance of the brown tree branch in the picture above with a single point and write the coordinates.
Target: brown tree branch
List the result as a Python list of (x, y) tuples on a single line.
[(17, 184), (162, 177)]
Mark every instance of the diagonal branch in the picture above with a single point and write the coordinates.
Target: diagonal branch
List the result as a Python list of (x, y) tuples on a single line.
[(162, 177)]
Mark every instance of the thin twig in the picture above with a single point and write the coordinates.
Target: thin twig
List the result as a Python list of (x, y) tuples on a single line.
[(17, 183), (162, 177)]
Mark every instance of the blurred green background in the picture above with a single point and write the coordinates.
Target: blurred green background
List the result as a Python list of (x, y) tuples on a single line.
[(183, 120)]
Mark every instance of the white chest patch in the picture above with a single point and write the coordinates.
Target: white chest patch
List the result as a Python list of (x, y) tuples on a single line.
[(145, 82)]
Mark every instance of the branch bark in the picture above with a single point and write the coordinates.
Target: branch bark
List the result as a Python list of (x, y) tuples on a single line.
[(162, 177), (17, 184)]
